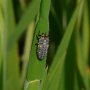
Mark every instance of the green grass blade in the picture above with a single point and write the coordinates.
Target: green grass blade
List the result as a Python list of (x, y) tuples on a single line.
[(82, 49), (86, 35), (33, 85), (1, 29), (10, 63), (59, 59), (36, 68), (89, 75), (54, 83), (31, 12), (76, 85), (35, 64), (27, 49), (44, 9), (1, 50), (70, 65), (86, 32), (65, 41)]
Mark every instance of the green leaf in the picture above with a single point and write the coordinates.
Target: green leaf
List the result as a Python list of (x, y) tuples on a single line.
[(82, 48), (58, 62), (27, 49), (86, 33), (10, 58), (36, 67), (26, 19), (70, 65), (76, 85), (1, 30), (1, 50), (33, 85)]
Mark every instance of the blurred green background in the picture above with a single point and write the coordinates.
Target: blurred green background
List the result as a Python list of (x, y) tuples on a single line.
[(67, 64)]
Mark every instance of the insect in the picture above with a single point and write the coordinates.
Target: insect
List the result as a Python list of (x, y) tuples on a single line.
[(42, 46)]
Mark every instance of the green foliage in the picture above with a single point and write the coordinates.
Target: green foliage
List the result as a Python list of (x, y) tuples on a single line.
[(67, 64)]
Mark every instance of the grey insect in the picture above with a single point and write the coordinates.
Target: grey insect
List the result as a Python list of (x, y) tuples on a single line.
[(42, 46)]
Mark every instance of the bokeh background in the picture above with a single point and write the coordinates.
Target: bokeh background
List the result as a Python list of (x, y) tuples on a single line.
[(75, 74)]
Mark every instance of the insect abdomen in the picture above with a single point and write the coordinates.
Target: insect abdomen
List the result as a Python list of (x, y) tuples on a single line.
[(42, 51), (42, 48)]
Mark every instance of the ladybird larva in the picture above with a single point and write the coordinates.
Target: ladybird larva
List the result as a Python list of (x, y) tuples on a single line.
[(42, 46)]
